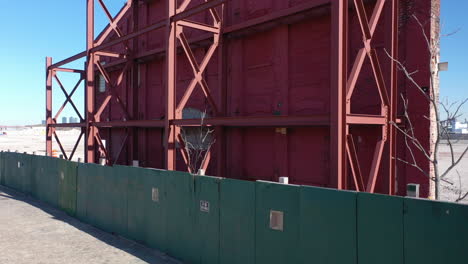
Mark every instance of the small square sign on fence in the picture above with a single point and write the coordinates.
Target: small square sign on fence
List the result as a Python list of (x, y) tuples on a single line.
[(276, 220), (155, 195), (204, 206)]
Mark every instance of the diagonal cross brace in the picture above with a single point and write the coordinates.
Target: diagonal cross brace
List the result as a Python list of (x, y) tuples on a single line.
[(68, 98), (111, 91), (198, 71), (368, 30)]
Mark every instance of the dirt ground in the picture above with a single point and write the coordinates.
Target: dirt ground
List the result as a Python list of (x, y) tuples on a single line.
[(33, 140), (33, 232), (458, 177)]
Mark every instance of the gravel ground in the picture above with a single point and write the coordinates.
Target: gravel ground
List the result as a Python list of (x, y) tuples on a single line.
[(451, 192), (31, 140), (33, 232)]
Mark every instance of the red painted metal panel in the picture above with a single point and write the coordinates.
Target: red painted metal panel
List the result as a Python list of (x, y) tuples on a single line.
[(291, 59)]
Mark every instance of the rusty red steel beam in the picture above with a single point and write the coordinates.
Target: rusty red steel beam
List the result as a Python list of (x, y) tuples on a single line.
[(198, 26), (392, 19), (227, 30), (103, 148), (68, 125), (68, 98), (259, 121), (185, 154), (76, 146), (90, 146), (49, 120), (171, 132), (368, 29), (354, 163), (157, 25), (110, 54), (131, 123), (375, 167), (277, 15), (176, 27), (338, 127), (60, 146), (69, 70), (357, 119), (112, 22), (68, 60), (198, 71), (122, 145), (196, 10), (108, 30), (112, 89)]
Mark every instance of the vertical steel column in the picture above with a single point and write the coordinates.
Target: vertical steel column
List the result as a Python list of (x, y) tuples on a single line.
[(135, 82), (222, 80), (49, 121), (393, 21), (90, 156), (171, 58), (339, 21)]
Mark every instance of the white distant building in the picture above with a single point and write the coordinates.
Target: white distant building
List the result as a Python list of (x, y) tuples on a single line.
[(461, 128)]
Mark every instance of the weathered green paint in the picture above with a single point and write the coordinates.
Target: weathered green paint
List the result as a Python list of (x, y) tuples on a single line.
[(82, 193), (67, 186), (15, 170), (206, 219), (146, 218), (274, 246), (320, 225), (45, 180), (23, 172), (380, 229), (106, 201), (180, 233), (237, 222), (435, 232), (328, 226), (2, 166)]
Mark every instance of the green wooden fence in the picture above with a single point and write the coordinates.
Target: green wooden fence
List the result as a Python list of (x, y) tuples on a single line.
[(201, 219)]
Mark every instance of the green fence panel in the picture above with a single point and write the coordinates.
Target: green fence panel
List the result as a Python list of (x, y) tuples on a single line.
[(106, 201), (67, 186), (24, 172), (435, 232), (17, 172), (45, 181), (328, 226), (380, 229), (180, 233), (277, 223), (82, 192), (3, 156), (206, 219), (1, 168), (146, 206), (8, 163), (11, 171), (237, 222), (37, 174)]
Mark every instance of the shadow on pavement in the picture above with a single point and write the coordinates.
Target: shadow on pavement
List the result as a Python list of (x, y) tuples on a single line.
[(144, 253)]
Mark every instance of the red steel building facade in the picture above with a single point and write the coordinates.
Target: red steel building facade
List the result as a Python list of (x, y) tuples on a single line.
[(303, 89)]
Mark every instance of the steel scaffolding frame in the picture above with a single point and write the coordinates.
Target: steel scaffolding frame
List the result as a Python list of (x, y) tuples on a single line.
[(343, 83)]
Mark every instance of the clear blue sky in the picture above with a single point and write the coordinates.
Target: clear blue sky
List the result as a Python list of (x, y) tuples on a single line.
[(35, 29)]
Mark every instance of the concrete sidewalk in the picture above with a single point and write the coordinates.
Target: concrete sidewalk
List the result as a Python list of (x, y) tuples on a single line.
[(33, 232)]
